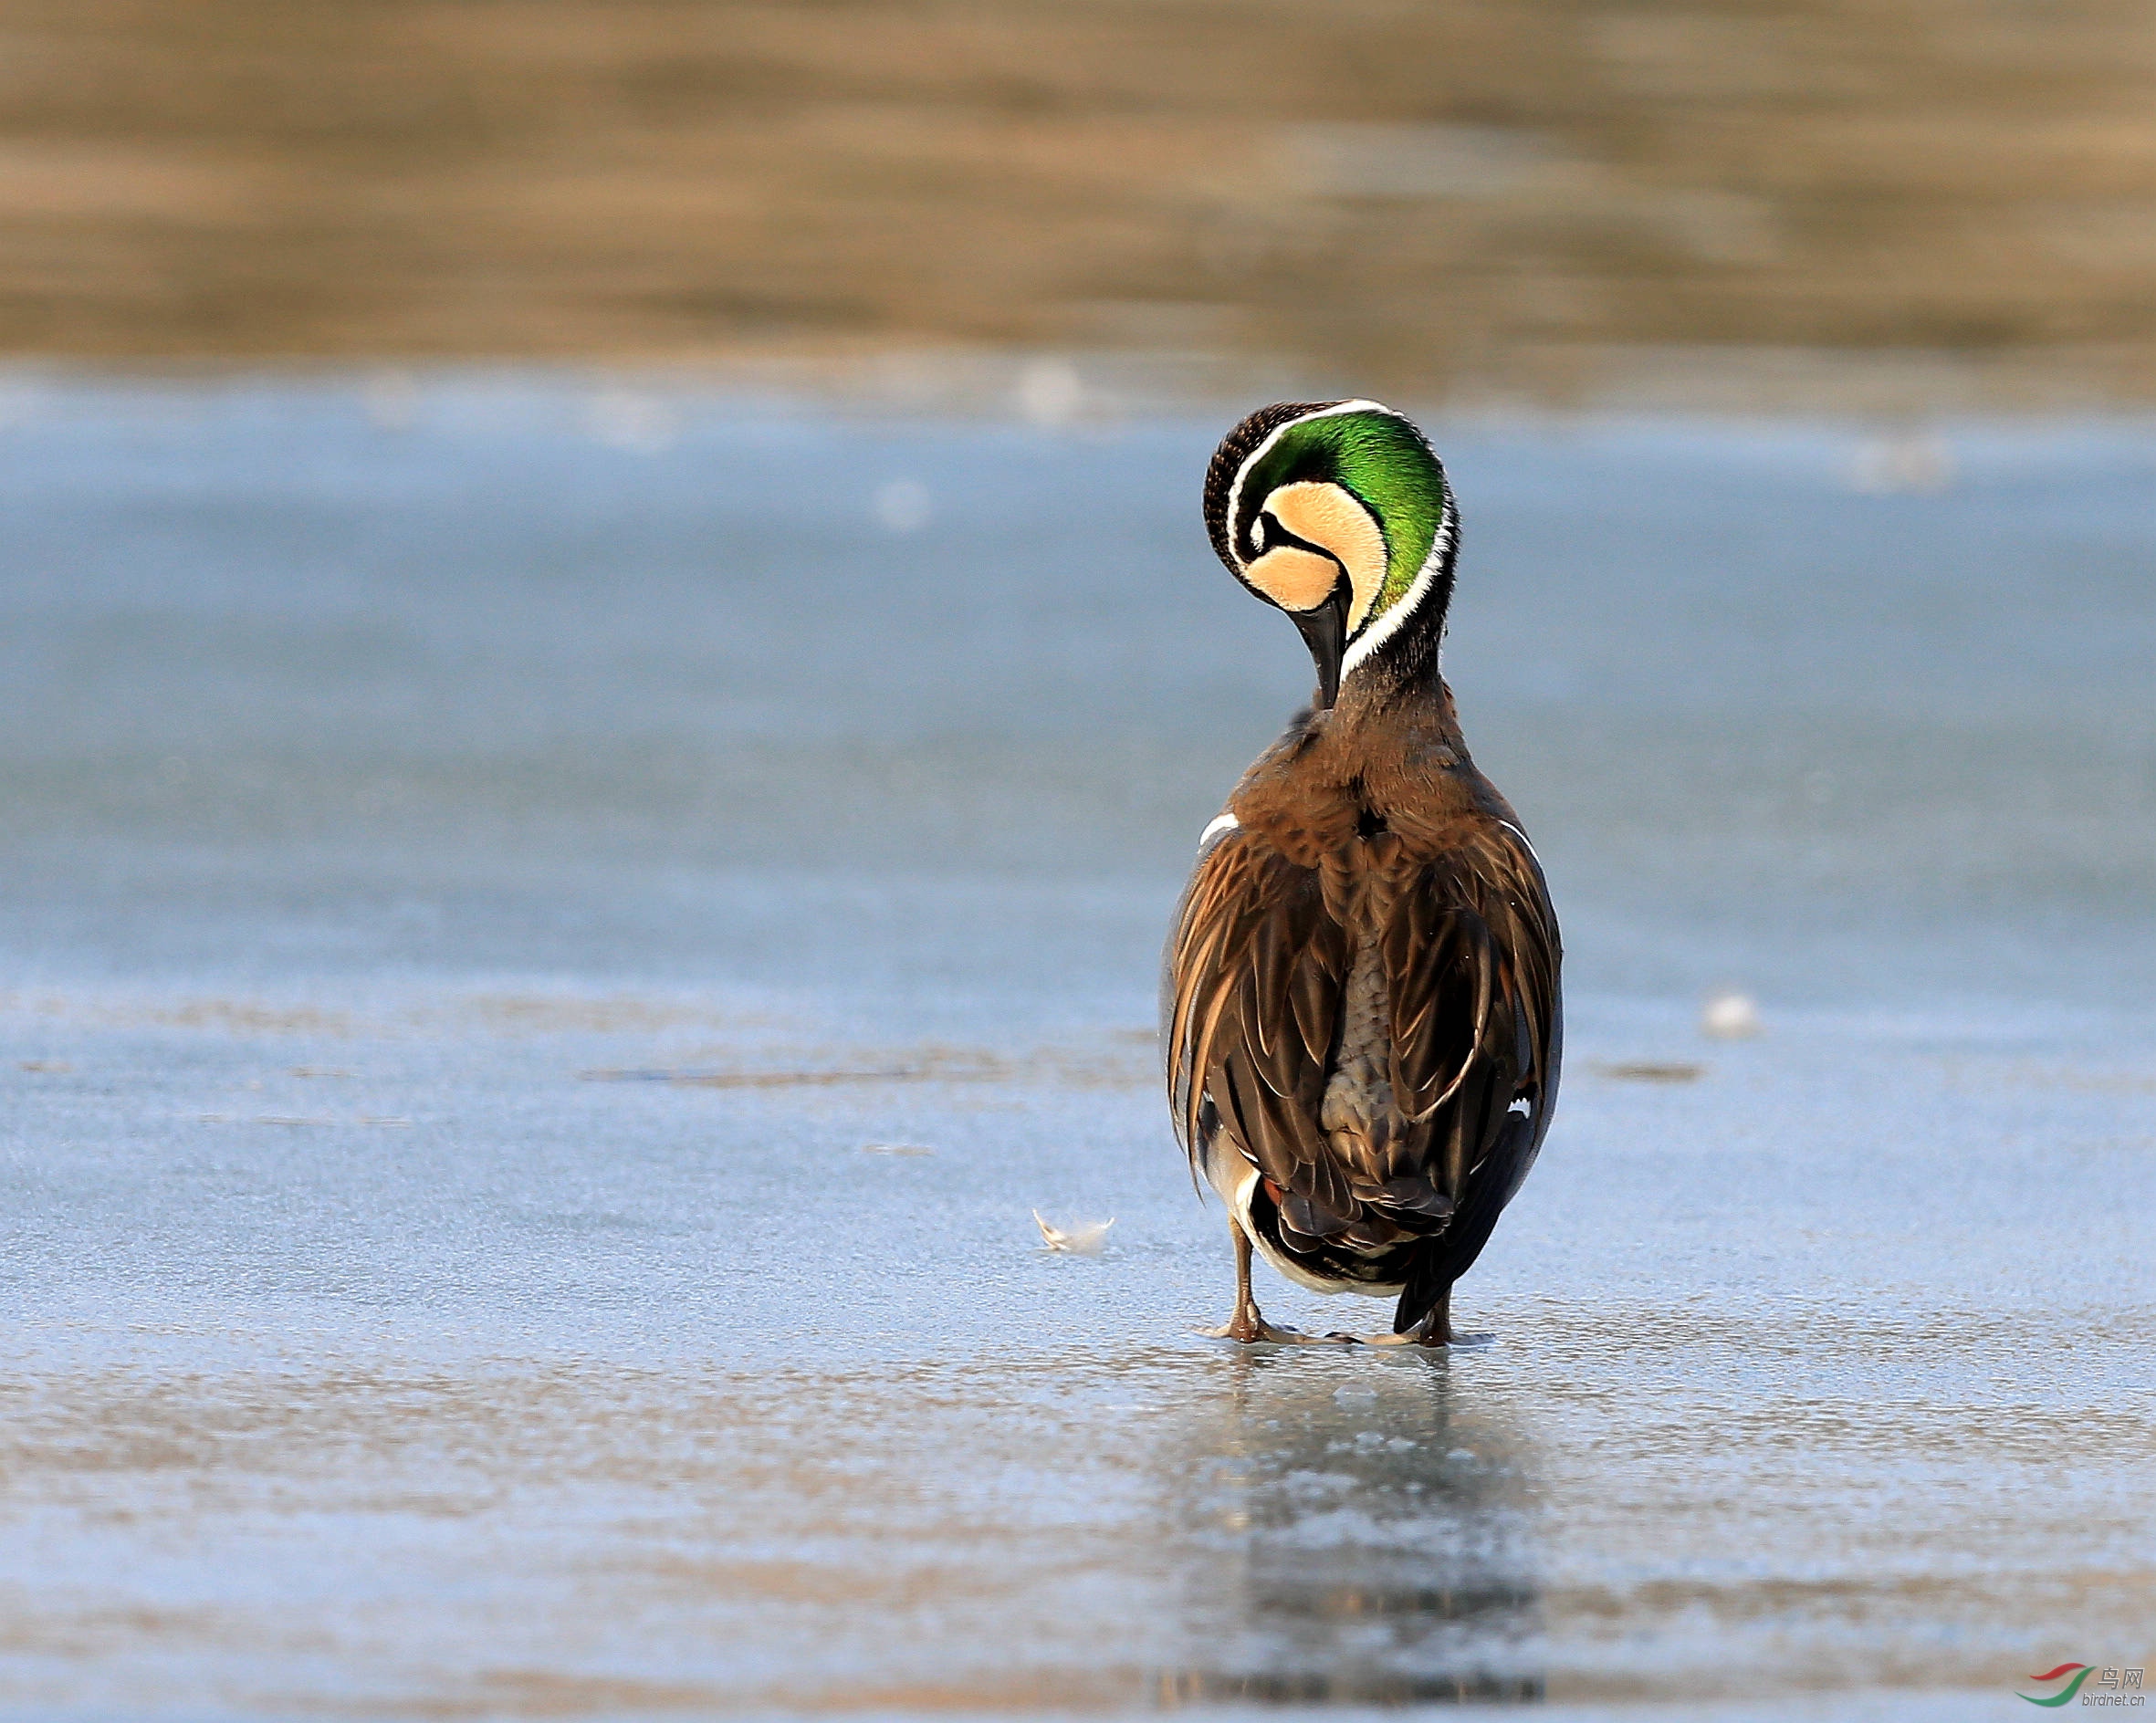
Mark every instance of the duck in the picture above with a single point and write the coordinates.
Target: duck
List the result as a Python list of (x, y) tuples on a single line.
[(1361, 1016)]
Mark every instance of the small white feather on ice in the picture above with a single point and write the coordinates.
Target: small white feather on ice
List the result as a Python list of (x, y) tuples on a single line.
[(1730, 1017), (1083, 1239)]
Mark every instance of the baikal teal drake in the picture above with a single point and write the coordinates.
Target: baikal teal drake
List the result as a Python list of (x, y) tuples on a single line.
[(1360, 1009)]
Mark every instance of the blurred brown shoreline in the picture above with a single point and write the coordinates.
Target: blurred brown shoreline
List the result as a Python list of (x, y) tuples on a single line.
[(1918, 206)]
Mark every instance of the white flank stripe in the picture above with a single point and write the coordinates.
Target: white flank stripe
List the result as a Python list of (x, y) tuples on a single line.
[(1225, 822), (1524, 842)]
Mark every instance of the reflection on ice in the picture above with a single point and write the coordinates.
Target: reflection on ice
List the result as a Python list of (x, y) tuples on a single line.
[(1354, 1530)]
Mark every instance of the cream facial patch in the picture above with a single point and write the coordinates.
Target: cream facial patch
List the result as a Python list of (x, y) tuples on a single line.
[(1330, 516), (1293, 579)]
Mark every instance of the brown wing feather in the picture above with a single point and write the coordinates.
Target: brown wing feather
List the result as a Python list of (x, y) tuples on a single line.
[(1471, 963), (1254, 934), (1470, 953)]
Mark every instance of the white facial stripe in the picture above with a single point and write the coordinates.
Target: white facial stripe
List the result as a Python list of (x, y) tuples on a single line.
[(1383, 629), (1265, 448)]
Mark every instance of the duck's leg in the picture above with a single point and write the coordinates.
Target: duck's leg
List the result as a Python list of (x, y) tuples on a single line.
[(1434, 1329), (1248, 1324)]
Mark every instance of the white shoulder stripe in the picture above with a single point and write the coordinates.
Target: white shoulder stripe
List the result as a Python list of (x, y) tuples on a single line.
[(1225, 822), (1524, 842)]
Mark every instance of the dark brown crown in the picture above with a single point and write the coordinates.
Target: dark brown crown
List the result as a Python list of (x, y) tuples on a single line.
[(1236, 447)]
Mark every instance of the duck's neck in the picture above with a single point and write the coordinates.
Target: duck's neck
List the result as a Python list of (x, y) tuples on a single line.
[(1394, 699), (1404, 669), (1400, 672)]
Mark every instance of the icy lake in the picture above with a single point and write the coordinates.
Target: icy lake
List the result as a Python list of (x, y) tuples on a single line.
[(556, 932)]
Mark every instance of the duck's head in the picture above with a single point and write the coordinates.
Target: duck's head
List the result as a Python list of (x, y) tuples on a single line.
[(1338, 512)]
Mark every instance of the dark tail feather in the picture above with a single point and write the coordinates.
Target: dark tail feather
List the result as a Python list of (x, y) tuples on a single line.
[(1427, 1281), (1453, 1253)]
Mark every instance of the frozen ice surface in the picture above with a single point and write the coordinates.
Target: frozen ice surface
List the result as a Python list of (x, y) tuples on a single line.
[(478, 878)]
